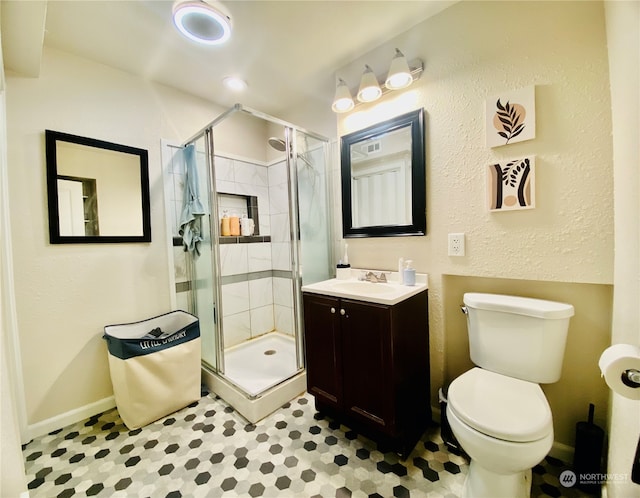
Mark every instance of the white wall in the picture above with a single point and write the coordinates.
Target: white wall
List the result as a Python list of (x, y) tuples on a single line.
[(12, 475), (66, 294), (623, 36), (473, 51)]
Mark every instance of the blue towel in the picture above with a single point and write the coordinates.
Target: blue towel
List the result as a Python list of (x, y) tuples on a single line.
[(192, 209)]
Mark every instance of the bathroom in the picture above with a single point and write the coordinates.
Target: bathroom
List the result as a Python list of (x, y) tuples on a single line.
[(561, 250)]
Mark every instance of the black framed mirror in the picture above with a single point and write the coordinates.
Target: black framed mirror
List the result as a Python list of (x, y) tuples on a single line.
[(98, 192), (383, 179)]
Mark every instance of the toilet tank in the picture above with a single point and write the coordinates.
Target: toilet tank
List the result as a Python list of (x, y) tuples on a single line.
[(519, 337)]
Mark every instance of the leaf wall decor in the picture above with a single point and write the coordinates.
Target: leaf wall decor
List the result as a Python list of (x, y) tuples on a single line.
[(510, 117), (509, 120), (511, 185)]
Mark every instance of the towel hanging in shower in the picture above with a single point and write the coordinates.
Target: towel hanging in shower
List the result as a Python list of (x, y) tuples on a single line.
[(192, 208)]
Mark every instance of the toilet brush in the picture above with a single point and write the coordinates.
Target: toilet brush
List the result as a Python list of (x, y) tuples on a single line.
[(587, 459)]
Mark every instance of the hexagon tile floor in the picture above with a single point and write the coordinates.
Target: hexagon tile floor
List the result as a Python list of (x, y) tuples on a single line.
[(208, 450)]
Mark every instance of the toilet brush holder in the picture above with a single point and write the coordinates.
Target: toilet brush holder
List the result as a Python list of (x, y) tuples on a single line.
[(587, 460)]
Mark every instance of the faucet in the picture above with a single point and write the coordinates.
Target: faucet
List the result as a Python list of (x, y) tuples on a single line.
[(372, 277)]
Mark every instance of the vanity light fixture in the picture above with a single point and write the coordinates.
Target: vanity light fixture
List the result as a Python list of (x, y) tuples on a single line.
[(343, 101), (203, 21), (369, 87), (400, 76), (399, 73)]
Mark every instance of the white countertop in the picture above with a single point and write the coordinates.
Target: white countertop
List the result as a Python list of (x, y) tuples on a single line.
[(391, 292)]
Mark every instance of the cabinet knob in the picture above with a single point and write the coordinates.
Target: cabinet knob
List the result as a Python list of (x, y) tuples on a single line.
[(342, 311), (333, 310)]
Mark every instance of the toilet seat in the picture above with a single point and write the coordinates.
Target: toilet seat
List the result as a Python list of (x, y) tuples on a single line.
[(501, 407)]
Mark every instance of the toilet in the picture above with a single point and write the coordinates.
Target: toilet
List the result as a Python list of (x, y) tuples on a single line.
[(497, 410)]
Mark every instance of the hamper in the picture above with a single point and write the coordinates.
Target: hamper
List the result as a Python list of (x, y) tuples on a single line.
[(154, 365)]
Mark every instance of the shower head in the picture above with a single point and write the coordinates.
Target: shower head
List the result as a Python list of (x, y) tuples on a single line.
[(277, 143)]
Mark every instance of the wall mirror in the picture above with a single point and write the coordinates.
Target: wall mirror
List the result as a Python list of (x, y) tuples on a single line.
[(383, 179), (98, 192)]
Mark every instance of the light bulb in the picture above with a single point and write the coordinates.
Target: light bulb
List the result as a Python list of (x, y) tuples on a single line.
[(369, 87), (343, 101), (399, 73)]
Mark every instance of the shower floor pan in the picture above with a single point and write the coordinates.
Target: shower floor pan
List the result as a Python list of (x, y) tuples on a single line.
[(261, 363), (260, 376)]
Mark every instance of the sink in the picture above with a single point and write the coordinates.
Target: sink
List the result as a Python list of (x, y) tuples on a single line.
[(365, 288), (389, 293)]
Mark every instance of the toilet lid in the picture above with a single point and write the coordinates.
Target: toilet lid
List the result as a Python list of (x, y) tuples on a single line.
[(500, 406)]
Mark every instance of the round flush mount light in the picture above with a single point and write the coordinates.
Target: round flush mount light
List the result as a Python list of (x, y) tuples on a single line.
[(203, 21), (234, 83)]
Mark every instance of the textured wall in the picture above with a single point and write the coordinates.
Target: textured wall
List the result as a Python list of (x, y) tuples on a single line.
[(476, 50), (472, 51)]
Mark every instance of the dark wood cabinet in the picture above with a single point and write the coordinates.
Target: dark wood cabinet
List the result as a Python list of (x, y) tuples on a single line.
[(368, 365)]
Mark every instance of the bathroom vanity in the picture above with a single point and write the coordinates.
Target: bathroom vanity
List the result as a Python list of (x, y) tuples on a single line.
[(367, 358)]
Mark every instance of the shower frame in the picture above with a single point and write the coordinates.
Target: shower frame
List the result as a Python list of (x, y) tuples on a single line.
[(236, 395)]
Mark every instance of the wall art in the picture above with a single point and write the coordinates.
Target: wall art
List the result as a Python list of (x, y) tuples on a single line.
[(511, 184), (511, 117)]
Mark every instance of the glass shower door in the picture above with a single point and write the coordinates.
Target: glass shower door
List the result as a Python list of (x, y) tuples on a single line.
[(310, 192), (313, 208), (203, 266)]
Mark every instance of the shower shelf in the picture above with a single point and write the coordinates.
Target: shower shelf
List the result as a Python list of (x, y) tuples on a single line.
[(177, 241), (244, 240)]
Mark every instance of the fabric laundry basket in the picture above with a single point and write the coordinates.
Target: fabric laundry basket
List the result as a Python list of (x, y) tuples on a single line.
[(155, 366)]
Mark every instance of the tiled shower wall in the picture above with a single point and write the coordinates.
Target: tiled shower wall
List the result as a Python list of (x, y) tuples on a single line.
[(257, 292)]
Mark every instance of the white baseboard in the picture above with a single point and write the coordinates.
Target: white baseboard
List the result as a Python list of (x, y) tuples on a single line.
[(71, 417)]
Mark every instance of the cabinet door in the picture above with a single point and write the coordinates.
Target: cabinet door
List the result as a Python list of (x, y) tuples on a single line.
[(323, 349), (366, 351)]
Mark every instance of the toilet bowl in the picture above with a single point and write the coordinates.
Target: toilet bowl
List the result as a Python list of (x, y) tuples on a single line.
[(498, 412), (505, 426)]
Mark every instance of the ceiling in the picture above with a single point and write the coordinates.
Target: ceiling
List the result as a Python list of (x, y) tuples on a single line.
[(287, 51)]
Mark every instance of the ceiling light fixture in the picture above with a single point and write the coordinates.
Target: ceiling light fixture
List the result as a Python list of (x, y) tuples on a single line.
[(400, 76), (369, 87), (204, 21), (343, 101), (234, 83)]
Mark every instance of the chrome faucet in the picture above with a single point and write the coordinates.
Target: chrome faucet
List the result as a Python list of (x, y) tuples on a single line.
[(372, 277)]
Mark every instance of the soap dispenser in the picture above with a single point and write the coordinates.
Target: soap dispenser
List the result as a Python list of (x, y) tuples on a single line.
[(343, 271), (409, 274)]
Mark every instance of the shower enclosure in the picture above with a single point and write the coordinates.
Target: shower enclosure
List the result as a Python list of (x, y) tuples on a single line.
[(245, 289)]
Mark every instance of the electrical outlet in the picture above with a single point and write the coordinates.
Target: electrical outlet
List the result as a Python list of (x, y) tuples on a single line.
[(456, 244)]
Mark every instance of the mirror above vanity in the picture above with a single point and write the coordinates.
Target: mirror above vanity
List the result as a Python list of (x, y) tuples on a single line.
[(98, 192), (383, 179)]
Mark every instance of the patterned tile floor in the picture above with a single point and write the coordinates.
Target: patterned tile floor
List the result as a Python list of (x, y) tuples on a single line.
[(208, 450)]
